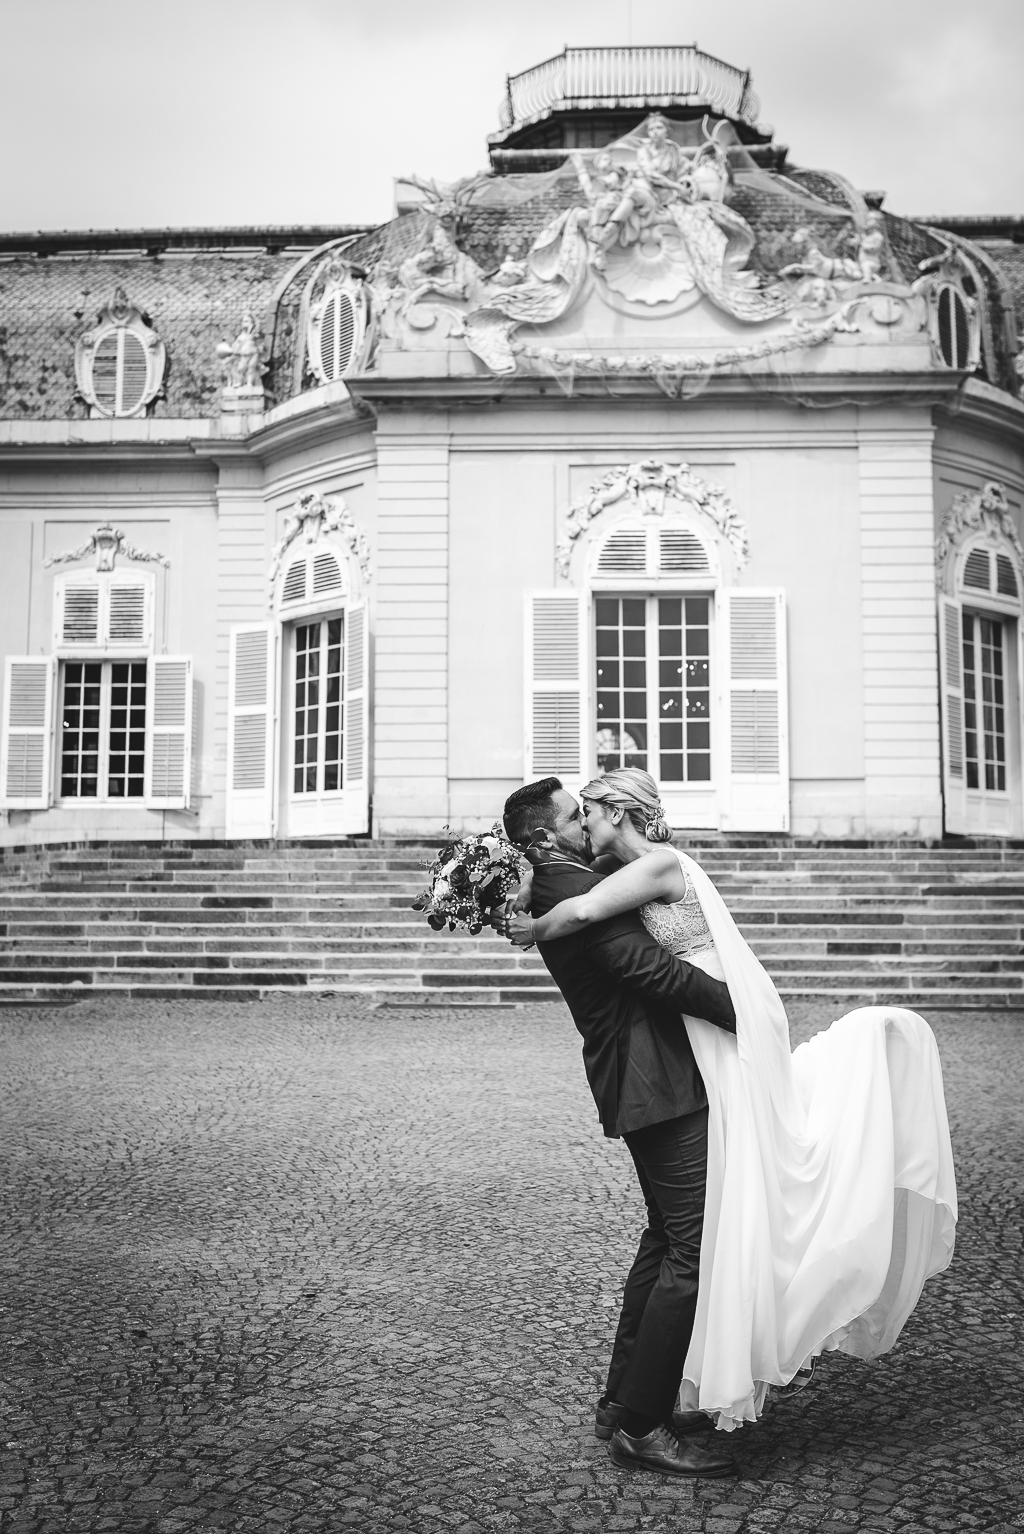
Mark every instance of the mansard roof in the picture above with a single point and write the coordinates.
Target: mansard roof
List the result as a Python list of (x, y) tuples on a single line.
[(193, 286)]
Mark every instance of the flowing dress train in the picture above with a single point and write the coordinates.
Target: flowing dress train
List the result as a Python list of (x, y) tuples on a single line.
[(831, 1195)]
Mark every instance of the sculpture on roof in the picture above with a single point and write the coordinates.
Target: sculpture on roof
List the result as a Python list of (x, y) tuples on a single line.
[(242, 365), (440, 268), (658, 227)]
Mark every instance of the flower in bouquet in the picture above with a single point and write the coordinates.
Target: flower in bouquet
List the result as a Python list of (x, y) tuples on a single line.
[(469, 876)]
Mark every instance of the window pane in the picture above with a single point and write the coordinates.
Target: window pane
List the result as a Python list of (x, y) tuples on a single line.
[(80, 721), (684, 689), (126, 743), (621, 683), (307, 699)]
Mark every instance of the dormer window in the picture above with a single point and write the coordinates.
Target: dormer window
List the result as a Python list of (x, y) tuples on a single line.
[(337, 321), (120, 364), (953, 325)]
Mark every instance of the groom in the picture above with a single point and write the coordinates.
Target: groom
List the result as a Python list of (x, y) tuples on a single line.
[(626, 994)]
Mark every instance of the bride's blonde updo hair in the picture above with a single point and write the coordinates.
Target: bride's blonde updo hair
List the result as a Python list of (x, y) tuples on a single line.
[(636, 792)]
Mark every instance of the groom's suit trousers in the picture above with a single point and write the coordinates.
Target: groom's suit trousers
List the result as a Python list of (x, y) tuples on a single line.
[(660, 1299)]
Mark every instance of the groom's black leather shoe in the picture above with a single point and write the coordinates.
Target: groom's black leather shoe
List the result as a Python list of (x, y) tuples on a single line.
[(665, 1452), (609, 1414)]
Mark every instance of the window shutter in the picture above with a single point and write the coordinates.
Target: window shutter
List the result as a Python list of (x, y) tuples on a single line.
[(326, 574), (951, 692), (329, 338), (752, 660), (133, 373), (624, 552), (77, 611), (555, 692), (169, 732), (356, 744), (129, 613), (26, 741), (294, 588), (978, 570), (346, 322), (681, 552), (1006, 577), (251, 689)]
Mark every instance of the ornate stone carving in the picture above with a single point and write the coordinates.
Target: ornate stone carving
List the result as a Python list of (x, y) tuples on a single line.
[(106, 542), (672, 370), (645, 487), (658, 227), (134, 361), (972, 514), (243, 369), (440, 269), (313, 517), (826, 273)]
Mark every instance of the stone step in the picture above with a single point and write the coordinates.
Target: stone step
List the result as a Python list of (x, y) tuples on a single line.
[(840, 1000)]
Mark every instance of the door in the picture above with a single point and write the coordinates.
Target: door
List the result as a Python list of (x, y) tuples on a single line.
[(653, 697), (990, 744), (315, 736)]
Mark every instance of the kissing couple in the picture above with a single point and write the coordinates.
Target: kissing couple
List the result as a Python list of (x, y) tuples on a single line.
[(797, 1200)]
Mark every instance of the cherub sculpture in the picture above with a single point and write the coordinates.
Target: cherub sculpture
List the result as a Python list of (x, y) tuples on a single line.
[(240, 359)]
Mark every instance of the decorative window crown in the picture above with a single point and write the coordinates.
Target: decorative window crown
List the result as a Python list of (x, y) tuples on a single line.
[(338, 315), (120, 364), (308, 566), (978, 549), (643, 489)]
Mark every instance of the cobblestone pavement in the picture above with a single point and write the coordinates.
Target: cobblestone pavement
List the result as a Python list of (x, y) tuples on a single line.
[(298, 1267)]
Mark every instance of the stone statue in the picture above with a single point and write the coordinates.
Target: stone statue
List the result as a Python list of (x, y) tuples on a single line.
[(240, 359), (866, 268), (440, 268)]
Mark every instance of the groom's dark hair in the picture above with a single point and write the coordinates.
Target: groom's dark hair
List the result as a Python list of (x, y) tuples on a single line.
[(530, 807)]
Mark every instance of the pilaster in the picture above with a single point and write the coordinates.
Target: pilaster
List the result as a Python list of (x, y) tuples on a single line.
[(410, 792), (901, 690)]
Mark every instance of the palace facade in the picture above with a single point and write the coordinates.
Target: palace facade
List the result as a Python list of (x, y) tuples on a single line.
[(645, 446)]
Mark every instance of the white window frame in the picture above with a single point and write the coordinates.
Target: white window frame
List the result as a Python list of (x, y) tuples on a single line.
[(318, 795), (651, 597)]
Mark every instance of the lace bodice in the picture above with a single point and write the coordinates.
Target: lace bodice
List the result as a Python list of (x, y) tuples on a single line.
[(679, 927)]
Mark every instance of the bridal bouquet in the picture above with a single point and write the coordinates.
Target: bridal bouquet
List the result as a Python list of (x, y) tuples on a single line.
[(469, 875)]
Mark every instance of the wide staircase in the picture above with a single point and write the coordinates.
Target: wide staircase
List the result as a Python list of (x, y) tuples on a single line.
[(914, 924)]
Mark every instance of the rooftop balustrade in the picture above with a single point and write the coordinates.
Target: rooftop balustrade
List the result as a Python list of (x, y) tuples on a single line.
[(624, 77)]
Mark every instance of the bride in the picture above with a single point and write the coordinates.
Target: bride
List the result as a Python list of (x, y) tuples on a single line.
[(830, 1188)]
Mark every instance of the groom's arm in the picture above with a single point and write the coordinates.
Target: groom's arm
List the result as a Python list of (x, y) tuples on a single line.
[(624, 949)]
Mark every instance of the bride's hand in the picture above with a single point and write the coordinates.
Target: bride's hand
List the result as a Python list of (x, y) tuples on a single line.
[(520, 930)]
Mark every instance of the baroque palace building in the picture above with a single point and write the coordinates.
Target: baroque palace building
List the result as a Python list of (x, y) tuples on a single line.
[(645, 446)]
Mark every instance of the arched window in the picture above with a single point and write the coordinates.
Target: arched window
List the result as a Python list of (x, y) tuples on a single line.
[(981, 654), (120, 364), (311, 578)]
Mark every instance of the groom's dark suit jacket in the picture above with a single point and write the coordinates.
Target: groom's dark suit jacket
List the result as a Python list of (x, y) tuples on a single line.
[(626, 993)]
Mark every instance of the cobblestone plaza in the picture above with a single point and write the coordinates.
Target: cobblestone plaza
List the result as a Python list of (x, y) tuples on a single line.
[(298, 1265)]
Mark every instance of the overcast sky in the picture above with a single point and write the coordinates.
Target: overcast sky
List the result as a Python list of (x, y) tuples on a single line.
[(117, 114)]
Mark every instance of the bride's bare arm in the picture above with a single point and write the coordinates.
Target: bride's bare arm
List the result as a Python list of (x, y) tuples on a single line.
[(655, 876)]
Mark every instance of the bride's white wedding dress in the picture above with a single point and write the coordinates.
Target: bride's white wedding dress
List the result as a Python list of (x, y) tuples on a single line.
[(831, 1195)]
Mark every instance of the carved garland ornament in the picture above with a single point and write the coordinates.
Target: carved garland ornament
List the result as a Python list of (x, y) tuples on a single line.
[(645, 487), (106, 542), (985, 511), (312, 518)]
